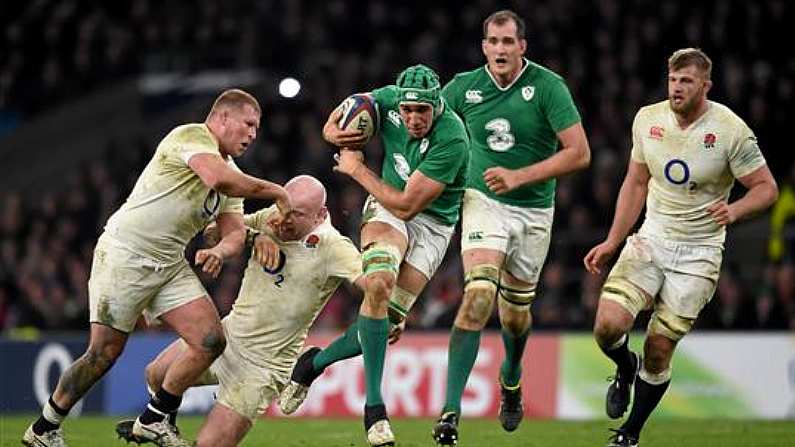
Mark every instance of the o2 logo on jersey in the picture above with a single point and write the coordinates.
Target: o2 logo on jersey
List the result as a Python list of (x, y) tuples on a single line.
[(211, 203), (501, 138), (279, 278), (677, 171)]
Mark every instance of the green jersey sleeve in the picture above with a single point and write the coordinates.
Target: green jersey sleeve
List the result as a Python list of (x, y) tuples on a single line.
[(559, 106), (443, 162), (451, 96)]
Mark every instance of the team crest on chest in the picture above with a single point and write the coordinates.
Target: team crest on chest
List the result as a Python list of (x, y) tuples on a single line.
[(709, 141), (656, 132), (528, 92), (424, 145), (311, 241), (473, 96)]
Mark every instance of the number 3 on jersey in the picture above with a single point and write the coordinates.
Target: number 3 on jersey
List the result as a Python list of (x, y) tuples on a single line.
[(501, 138)]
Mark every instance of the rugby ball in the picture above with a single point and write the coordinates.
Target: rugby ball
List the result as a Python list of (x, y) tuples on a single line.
[(359, 112)]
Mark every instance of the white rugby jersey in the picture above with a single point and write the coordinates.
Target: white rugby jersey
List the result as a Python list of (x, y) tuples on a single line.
[(274, 309), (691, 169), (169, 203)]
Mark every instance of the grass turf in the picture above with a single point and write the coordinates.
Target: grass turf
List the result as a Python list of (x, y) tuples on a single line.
[(98, 431)]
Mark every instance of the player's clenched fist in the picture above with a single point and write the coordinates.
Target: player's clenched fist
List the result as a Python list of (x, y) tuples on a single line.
[(348, 161), (211, 260)]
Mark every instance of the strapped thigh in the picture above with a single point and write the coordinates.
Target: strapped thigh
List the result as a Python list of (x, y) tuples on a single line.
[(515, 295)]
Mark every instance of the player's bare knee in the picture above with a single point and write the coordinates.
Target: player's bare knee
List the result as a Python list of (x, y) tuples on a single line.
[(480, 288), (656, 361), (657, 352), (379, 286), (213, 342), (516, 321), (476, 308), (380, 263), (607, 332)]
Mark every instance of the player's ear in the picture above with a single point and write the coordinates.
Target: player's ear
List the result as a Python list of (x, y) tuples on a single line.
[(483, 46), (707, 86), (523, 45)]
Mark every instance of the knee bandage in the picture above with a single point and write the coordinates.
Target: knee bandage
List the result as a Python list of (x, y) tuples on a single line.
[(378, 257), (515, 295), (669, 325), (628, 295), (480, 286), (400, 304), (482, 277)]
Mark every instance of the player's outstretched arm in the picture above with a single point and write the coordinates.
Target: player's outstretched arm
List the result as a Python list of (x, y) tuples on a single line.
[(420, 189), (217, 175), (574, 155), (630, 202), (762, 193)]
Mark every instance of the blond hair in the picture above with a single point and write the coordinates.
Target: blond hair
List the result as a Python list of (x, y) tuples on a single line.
[(691, 56), (237, 98)]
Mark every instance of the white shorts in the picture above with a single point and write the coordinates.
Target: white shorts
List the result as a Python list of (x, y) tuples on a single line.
[(427, 237), (124, 285), (522, 234), (682, 276), (243, 386)]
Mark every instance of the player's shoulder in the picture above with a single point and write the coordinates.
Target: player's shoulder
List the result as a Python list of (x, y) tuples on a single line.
[(386, 96), (192, 131), (653, 111), (329, 237), (450, 125), (541, 73), (722, 114), (466, 78)]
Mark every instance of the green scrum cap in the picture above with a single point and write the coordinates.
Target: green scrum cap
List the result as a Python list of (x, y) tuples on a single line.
[(420, 84)]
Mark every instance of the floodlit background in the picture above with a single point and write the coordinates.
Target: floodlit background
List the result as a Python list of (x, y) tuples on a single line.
[(87, 89)]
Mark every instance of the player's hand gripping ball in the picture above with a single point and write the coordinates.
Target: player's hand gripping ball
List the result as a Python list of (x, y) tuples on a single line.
[(359, 112)]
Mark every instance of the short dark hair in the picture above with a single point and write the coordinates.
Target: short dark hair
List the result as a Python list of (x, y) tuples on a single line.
[(501, 17), (691, 56)]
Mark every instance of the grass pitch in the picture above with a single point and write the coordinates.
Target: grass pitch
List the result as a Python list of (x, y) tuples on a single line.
[(98, 431)]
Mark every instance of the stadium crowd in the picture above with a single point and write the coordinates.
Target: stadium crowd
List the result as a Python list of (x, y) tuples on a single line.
[(52, 51)]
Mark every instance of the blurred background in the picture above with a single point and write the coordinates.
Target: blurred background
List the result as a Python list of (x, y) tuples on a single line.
[(88, 89)]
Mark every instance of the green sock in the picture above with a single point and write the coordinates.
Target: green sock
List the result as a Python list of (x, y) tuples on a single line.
[(461, 355), (511, 369), (343, 347), (373, 335)]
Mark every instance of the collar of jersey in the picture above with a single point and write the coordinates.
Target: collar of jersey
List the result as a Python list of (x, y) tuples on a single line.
[(694, 124), (497, 84)]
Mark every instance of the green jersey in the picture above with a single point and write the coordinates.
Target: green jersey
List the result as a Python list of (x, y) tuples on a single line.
[(441, 155), (513, 126)]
